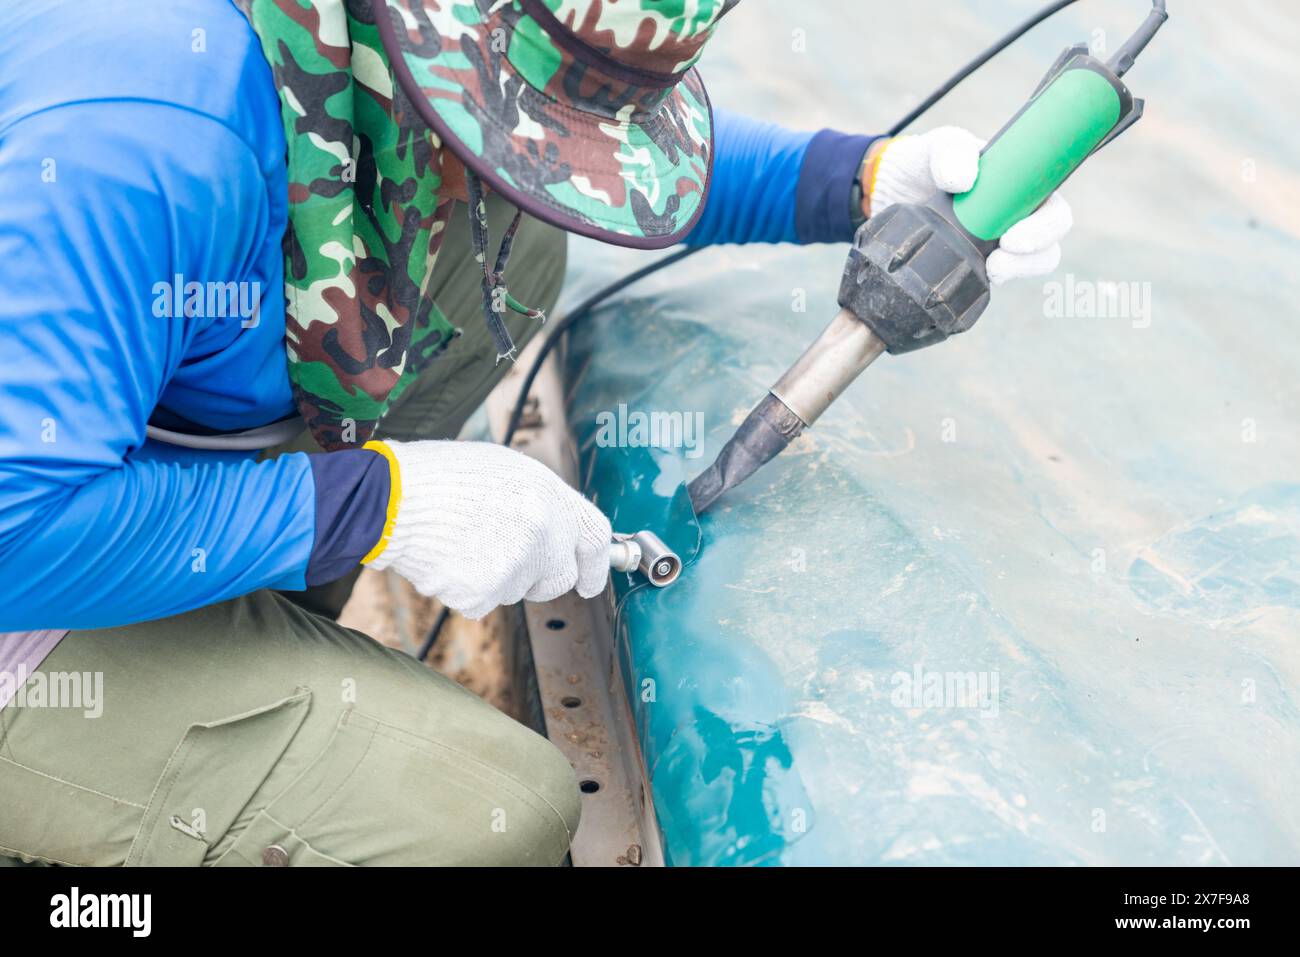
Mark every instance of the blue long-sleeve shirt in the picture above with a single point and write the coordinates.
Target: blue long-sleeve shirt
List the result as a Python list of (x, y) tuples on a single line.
[(141, 146), (774, 185)]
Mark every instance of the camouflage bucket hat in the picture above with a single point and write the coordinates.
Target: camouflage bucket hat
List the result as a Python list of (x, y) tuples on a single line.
[(587, 114)]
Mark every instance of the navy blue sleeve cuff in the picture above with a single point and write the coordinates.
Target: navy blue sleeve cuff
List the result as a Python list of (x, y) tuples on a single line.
[(823, 211), (351, 507)]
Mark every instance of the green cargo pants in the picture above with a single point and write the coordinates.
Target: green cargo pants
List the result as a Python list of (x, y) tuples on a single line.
[(256, 732)]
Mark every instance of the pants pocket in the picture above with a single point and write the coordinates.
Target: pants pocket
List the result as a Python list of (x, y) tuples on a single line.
[(274, 838), (214, 771), (379, 795)]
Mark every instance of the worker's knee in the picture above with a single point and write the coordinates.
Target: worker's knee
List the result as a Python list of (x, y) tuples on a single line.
[(537, 804), (526, 797), (557, 784)]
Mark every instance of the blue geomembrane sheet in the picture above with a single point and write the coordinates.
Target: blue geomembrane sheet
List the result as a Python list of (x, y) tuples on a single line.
[(1033, 595)]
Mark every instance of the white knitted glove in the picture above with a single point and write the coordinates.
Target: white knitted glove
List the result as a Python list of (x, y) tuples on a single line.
[(911, 168), (480, 525)]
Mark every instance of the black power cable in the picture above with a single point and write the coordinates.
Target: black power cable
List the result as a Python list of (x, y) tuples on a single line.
[(584, 308), (432, 637), (951, 83)]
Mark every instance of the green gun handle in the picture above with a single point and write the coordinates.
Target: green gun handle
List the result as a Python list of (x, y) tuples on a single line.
[(1078, 107)]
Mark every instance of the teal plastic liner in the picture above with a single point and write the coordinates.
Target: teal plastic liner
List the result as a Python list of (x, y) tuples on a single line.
[(1031, 596)]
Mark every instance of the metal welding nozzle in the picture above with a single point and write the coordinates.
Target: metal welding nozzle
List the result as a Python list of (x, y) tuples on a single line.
[(645, 551), (827, 367)]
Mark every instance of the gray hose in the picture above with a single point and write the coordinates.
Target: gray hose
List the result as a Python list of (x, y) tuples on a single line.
[(251, 440)]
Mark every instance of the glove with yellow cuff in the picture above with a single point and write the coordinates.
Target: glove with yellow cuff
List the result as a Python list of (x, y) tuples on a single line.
[(478, 525)]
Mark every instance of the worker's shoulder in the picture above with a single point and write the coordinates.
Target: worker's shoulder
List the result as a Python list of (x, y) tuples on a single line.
[(197, 55)]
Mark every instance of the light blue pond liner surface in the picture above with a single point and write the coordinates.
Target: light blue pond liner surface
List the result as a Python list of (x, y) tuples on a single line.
[(1031, 596)]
